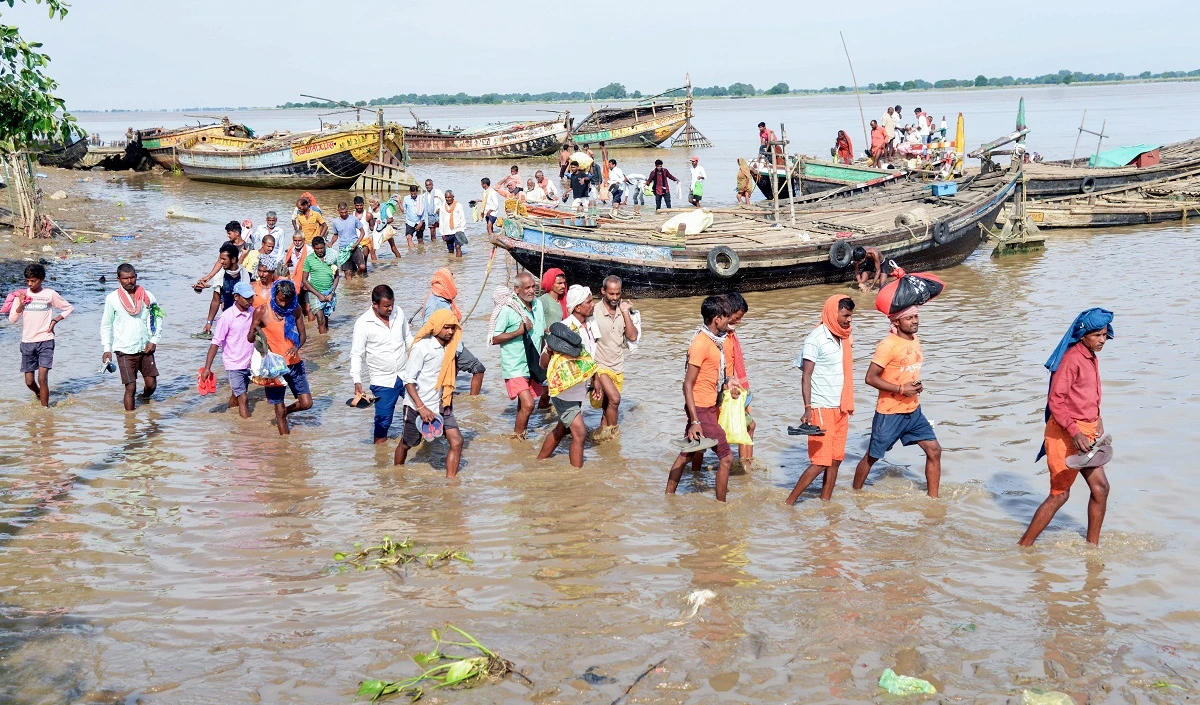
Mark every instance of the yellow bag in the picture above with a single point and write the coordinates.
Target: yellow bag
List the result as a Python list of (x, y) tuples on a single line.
[(733, 421)]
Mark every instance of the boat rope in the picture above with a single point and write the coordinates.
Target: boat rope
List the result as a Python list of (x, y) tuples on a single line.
[(483, 287), (542, 264)]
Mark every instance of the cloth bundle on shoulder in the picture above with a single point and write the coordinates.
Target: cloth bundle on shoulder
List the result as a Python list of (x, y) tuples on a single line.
[(907, 291)]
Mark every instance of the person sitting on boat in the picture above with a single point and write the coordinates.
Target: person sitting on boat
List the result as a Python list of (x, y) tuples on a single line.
[(546, 185), (533, 193), (507, 187), (843, 148), (870, 269), (765, 148)]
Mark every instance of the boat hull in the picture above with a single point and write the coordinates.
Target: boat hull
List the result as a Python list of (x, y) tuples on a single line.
[(162, 145), (628, 135), (69, 156), (1091, 217), (1048, 180), (538, 142), (319, 162), (659, 271)]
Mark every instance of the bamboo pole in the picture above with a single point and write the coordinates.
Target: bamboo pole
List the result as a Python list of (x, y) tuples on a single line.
[(861, 116)]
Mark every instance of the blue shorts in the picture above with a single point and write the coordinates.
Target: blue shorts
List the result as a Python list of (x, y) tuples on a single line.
[(239, 381), (908, 428), (296, 380)]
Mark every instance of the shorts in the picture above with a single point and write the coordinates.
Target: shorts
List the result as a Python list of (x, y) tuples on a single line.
[(432, 221), (297, 381), (411, 435), (639, 197), (711, 428), (490, 220), (132, 364), (516, 385), (239, 381), (35, 355), (823, 450), (410, 230), (908, 428), (581, 203), (454, 240), (567, 410), (1059, 445), (466, 361), (357, 259), (616, 194)]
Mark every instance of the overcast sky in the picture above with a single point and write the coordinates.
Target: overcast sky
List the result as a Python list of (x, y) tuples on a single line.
[(175, 54)]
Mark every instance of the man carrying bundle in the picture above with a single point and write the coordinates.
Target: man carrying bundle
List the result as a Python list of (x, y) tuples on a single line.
[(569, 366), (429, 382), (1073, 424), (518, 326)]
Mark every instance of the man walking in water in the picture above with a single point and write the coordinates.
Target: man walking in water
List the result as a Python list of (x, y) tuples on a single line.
[(896, 372), (285, 335), (617, 329), (827, 386), (131, 326), (35, 306), (1073, 423), (518, 328), (702, 381)]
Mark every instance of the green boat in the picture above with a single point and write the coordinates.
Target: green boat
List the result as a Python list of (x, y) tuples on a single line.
[(816, 176)]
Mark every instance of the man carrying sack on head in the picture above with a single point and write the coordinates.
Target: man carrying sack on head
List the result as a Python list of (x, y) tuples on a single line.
[(1073, 424), (428, 378)]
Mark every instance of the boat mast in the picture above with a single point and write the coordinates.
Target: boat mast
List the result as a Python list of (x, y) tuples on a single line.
[(862, 117), (690, 137)]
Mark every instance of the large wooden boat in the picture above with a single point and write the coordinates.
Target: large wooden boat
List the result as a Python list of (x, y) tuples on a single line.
[(160, 143), (1162, 201), (646, 124), (65, 156), (1060, 178), (505, 140), (305, 160), (749, 252)]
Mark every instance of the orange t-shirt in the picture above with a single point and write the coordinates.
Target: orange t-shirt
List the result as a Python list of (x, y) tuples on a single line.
[(901, 363), (705, 354)]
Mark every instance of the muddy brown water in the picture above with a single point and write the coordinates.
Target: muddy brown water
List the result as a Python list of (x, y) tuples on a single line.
[(181, 555)]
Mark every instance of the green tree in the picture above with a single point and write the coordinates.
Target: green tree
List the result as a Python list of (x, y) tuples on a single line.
[(779, 89), (741, 89), (613, 91), (981, 80), (636, 94), (29, 110)]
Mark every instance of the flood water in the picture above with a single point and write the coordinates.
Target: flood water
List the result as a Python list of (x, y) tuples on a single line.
[(179, 554)]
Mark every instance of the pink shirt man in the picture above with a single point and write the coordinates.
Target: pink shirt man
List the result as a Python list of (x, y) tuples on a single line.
[(38, 311)]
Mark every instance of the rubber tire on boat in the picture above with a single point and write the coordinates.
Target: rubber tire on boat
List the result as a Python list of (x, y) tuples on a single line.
[(941, 232), (840, 253), (717, 267), (1088, 185)]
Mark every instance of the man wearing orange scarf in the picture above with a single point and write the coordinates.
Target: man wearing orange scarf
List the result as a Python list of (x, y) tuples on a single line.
[(429, 385), (442, 292), (827, 384)]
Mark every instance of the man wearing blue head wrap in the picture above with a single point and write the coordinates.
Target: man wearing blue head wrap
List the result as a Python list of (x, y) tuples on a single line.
[(1073, 421)]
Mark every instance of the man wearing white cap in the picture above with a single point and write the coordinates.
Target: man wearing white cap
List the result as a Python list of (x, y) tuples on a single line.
[(569, 368), (230, 336)]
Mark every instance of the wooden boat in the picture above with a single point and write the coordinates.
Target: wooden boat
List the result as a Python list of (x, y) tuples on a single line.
[(161, 142), (304, 160), (748, 252), (68, 156), (816, 176), (505, 140), (1060, 178), (646, 124), (1165, 200)]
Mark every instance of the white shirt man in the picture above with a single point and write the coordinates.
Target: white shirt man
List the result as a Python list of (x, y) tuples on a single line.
[(697, 173), (256, 236), (431, 201), (383, 346), (452, 217), (547, 186), (825, 351), (492, 203), (616, 177)]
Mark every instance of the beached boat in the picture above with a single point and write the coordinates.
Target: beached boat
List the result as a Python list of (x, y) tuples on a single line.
[(748, 252), (649, 123), (161, 142), (505, 140), (1060, 178), (68, 156), (304, 160), (1161, 201), (816, 176)]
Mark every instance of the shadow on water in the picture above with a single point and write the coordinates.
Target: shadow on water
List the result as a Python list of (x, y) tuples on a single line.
[(25, 637), (1021, 500)]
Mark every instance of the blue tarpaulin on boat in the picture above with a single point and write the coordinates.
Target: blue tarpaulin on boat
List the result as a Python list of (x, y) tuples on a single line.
[(1121, 156)]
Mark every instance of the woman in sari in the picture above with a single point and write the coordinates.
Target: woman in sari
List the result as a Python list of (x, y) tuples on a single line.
[(745, 182), (845, 149)]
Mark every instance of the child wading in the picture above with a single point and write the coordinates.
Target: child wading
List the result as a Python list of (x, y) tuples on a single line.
[(35, 306), (1073, 424)]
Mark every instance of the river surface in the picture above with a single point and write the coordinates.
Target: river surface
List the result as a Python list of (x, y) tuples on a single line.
[(179, 554)]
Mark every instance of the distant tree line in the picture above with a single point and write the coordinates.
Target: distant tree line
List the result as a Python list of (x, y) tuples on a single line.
[(617, 91)]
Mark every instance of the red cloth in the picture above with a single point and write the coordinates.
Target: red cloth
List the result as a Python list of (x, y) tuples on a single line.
[(1075, 389), (443, 286), (548, 278), (845, 148), (133, 304), (878, 140)]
